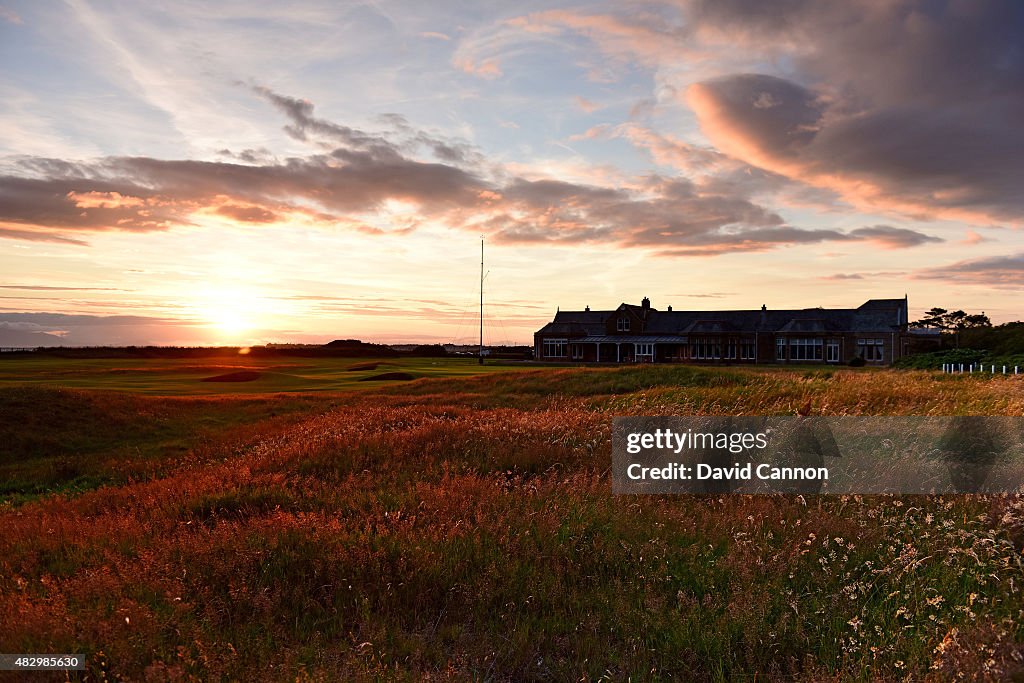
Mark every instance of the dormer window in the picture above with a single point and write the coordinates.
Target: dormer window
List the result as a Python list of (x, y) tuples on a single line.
[(622, 325)]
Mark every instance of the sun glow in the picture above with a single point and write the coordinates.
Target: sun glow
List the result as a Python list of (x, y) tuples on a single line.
[(233, 313)]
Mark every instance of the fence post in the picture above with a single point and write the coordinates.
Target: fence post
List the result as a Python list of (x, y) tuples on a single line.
[(961, 368), (1004, 369)]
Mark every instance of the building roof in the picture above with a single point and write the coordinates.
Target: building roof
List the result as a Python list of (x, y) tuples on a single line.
[(874, 315), (579, 322)]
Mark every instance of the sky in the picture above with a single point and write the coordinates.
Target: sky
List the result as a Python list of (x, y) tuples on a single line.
[(245, 172)]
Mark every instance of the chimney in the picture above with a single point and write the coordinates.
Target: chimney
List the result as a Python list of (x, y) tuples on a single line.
[(764, 314), (587, 309), (669, 309), (645, 304)]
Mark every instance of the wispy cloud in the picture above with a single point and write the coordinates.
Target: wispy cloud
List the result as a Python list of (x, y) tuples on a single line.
[(10, 16), (1000, 272)]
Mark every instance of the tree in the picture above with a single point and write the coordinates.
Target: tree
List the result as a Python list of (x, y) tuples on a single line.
[(952, 321)]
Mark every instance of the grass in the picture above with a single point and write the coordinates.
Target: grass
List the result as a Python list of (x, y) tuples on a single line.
[(464, 528), (185, 377)]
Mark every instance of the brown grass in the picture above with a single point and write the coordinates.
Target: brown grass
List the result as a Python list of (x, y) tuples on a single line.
[(466, 529)]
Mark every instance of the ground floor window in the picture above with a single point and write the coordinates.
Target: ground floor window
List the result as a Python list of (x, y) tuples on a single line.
[(644, 351), (832, 351), (780, 348), (705, 349), (555, 348), (730, 349), (577, 351), (805, 349), (871, 350), (747, 350)]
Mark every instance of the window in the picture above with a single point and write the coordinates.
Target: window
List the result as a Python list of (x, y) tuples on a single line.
[(780, 348), (871, 350), (832, 351), (622, 325), (702, 348), (747, 350), (644, 351), (577, 351), (805, 349), (730, 349), (555, 348)]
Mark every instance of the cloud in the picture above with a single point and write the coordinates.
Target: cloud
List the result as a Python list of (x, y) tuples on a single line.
[(304, 124), (889, 237), (250, 156), (248, 214), (145, 194), (973, 237), (487, 68), (907, 106), (39, 236), (355, 178), (1001, 272), (880, 274), (586, 105), (675, 217), (714, 171), (650, 37), (59, 329), (10, 16)]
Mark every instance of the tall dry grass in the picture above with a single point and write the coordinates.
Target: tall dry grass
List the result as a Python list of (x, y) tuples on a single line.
[(466, 529)]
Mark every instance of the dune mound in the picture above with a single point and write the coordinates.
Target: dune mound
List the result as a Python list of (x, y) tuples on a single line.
[(241, 376), (389, 376)]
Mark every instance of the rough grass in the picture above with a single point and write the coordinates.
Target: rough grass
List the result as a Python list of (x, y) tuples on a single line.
[(465, 529), (71, 440)]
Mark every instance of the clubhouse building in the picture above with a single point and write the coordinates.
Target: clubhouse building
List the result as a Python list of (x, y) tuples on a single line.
[(876, 331)]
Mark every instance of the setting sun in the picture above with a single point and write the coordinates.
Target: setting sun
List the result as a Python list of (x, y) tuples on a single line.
[(231, 312)]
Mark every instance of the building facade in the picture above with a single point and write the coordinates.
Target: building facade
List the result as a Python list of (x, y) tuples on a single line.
[(876, 331)]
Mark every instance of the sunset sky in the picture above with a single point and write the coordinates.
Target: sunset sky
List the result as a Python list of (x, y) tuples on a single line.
[(254, 171)]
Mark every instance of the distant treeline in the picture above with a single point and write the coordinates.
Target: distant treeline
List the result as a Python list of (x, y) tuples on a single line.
[(339, 348), (999, 345)]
